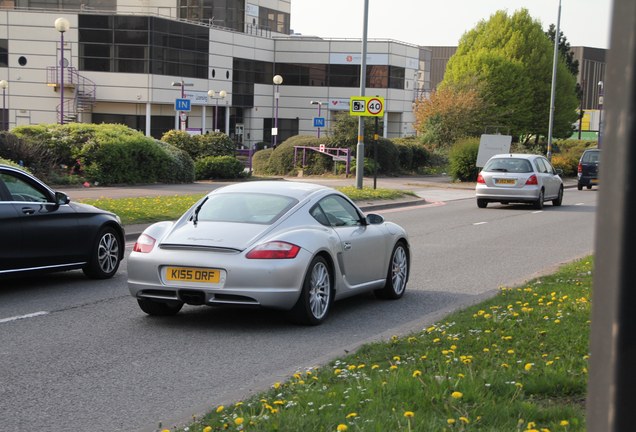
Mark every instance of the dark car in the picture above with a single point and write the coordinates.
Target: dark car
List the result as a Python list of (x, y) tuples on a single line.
[(41, 230), (587, 171)]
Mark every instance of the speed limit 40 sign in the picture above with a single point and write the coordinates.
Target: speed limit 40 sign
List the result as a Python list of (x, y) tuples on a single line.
[(371, 106)]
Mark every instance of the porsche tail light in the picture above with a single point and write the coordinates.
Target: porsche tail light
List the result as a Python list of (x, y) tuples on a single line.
[(532, 180), (480, 179), (144, 244), (274, 250)]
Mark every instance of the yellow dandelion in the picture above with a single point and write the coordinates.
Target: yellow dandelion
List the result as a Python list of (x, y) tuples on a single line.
[(564, 423), (279, 402), (464, 420), (353, 414), (207, 429), (301, 382), (341, 427), (396, 358), (486, 350), (450, 421), (436, 340), (375, 366), (220, 408), (457, 395), (276, 385), (527, 367), (238, 421), (393, 367), (409, 414), (417, 373), (531, 425), (337, 371), (510, 351), (274, 410), (351, 367), (423, 357), (505, 365), (362, 366)]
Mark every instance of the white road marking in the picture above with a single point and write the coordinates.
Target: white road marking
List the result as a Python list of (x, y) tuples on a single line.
[(579, 204), (480, 223), (538, 211), (15, 318)]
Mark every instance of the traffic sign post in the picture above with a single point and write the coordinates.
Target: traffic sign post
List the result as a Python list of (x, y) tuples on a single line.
[(182, 105)]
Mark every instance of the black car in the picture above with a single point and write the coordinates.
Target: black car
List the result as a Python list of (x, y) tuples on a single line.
[(588, 168), (41, 230)]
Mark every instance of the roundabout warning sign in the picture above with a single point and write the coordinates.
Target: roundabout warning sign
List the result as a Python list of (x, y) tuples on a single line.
[(372, 106)]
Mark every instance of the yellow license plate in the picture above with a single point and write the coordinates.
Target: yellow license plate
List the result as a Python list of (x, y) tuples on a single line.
[(505, 181), (191, 274)]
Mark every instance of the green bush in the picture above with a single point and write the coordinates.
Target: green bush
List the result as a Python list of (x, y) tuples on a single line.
[(215, 144), (388, 156), (181, 165), (184, 141), (218, 167), (463, 159), (413, 155), (260, 161), (281, 161)]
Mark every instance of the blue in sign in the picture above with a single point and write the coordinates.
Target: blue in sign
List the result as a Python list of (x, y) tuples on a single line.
[(182, 104), (319, 122)]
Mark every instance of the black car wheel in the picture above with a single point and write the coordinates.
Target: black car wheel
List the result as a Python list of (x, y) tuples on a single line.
[(157, 308), (481, 203), (557, 202), (397, 275), (315, 299), (105, 255), (538, 204), (579, 186)]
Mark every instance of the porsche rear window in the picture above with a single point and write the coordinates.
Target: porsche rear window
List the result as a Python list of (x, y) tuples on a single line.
[(508, 165), (245, 208)]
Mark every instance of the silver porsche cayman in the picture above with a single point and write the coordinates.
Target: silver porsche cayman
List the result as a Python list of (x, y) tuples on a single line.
[(291, 246)]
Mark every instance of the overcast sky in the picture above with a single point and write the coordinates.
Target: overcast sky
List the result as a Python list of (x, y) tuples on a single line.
[(429, 22)]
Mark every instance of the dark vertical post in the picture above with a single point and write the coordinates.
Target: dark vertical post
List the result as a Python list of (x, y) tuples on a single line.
[(375, 154), (612, 376), (61, 77)]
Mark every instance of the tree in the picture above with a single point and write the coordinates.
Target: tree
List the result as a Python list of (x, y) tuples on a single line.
[(568, 56), (507, 60), (344, 130), (447, 115)]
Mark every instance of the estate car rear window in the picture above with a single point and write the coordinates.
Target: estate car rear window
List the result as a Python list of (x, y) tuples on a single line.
[(508, 165), (590, 157), (245, 208)]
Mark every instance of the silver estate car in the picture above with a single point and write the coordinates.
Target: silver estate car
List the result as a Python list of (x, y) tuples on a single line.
[(519, 178), (291, 246)]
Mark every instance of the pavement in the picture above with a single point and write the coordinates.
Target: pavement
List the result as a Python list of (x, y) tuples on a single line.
[(427, 190)]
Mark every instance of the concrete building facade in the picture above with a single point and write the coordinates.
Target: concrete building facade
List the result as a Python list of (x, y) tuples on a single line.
[(125, 61)]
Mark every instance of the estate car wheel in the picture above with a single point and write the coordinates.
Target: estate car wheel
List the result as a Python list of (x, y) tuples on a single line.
[(579, 186), (315, 298), (157, 308), (557, 202), (397, 275), (538, 204), (105, 255), (481, 203)]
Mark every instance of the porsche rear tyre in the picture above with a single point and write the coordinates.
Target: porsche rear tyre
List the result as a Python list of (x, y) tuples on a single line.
[(316, 295)]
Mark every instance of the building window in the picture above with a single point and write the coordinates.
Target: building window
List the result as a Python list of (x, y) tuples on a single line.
[(223, 13), (4, 53), (136, 44), (273, 20), (286, 128)]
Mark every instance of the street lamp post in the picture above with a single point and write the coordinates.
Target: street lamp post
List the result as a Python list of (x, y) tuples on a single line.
[(3, 85), (182, 114), (278, 80), (212, 95), (600, 112), (62, 25), (319, 106)]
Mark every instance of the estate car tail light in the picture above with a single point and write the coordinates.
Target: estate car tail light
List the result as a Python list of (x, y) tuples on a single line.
[(480, 179), (274, 250), (144, 244), (532, 180), (579, 169)]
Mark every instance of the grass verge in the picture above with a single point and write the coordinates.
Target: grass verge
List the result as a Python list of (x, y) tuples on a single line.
[(516, 362), (154, 209)]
